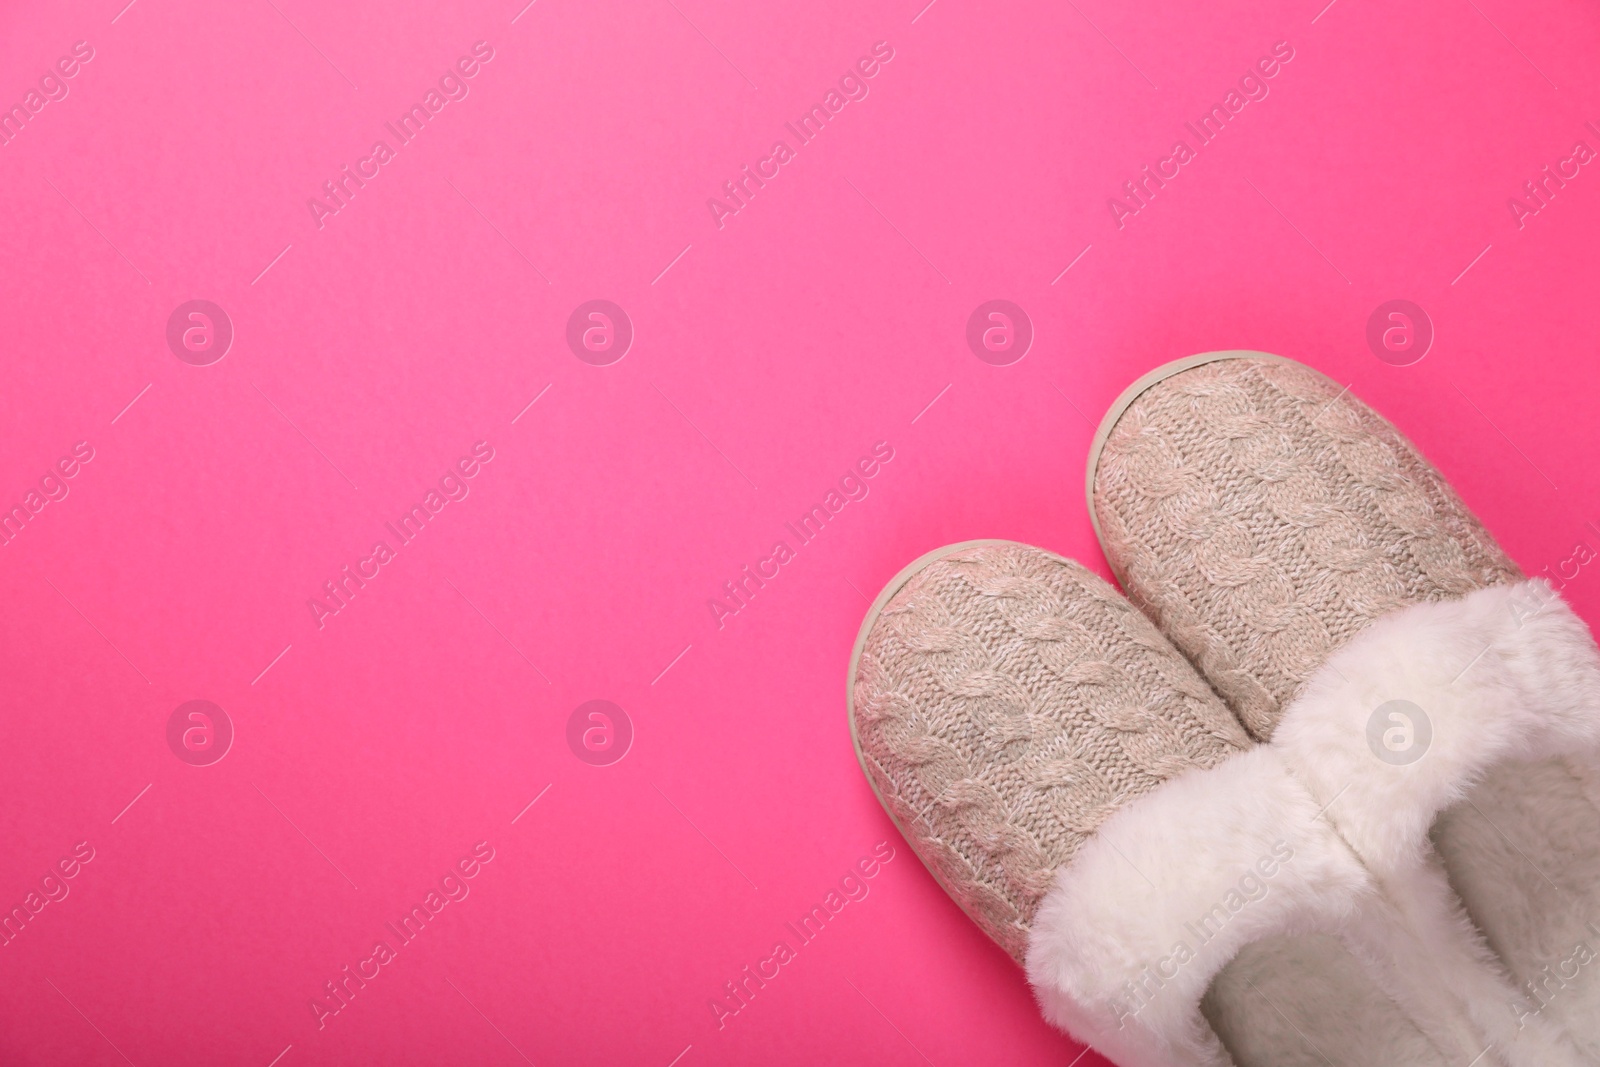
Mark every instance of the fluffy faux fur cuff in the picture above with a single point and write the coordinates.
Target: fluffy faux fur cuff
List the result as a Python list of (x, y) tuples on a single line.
[(1169, 890), (1406, 718), (1326, 831), (1403, 723)]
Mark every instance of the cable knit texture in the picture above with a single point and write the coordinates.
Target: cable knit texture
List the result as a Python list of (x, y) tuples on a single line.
[(1007, 702), (1264, 517)]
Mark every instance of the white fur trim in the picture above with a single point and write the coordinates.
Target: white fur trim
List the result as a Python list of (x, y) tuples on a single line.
[(1504, 675), (1169, 890)]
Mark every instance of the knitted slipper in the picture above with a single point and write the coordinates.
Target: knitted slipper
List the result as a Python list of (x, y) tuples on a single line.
[(1086, 799), (1335, 590)]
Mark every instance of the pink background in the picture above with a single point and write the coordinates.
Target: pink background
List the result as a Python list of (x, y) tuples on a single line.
[(768, 356)]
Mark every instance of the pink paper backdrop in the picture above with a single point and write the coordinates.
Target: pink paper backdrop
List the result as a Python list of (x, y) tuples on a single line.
[(377, 340)]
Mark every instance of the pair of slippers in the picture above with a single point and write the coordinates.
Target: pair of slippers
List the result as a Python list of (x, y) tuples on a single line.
[(1321, 791)]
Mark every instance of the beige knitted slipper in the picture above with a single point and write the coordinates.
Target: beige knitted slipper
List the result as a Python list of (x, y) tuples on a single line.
[(1084, 796), (1335, 590)]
